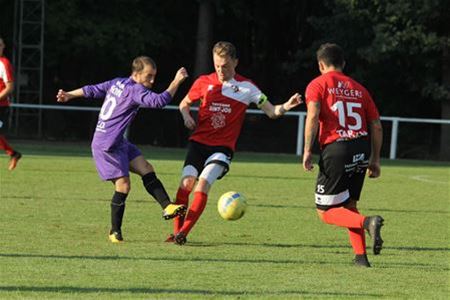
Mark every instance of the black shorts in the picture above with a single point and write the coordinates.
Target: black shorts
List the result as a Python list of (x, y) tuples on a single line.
[(198, 154), (342, 169), (4, 119)]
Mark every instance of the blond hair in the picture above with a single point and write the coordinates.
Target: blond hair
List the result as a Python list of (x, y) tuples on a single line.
[(223, 48)]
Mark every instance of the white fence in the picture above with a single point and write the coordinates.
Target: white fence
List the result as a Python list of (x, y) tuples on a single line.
[(300, 115)]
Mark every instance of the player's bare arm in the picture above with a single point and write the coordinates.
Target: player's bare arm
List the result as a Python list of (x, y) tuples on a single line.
[(185, 110), (311, 127), (276, 111), (64, 96), (376, 137), (180, 76)]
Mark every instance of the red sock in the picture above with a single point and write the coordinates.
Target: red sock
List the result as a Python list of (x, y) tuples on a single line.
[(357, 237), (5, 146), (343, 217), (181, 198), (194, 212)]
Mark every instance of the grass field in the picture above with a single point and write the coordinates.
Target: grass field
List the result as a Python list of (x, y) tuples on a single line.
[(54, 220)]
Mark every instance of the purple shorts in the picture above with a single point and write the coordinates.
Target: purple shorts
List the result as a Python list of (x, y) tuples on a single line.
[(115, 163)]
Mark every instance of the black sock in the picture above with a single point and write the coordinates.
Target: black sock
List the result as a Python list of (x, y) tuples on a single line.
[(155, 188), (117, 210)]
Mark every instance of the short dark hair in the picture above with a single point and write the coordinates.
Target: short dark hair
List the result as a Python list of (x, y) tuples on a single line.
[(140, 62), (223, 48), (331, 55)]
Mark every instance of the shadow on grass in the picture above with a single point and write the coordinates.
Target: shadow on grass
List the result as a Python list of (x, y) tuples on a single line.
[(276, 206), (87, 290), (165, 259)]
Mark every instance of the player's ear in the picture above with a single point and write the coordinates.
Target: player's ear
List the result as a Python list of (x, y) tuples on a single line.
[(321, 66)]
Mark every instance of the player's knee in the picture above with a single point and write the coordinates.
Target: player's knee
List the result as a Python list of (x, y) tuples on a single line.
[(123, 185), (187, 183), (212, 172)]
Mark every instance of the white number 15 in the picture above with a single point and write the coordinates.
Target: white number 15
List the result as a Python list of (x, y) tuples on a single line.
[(348, 112)]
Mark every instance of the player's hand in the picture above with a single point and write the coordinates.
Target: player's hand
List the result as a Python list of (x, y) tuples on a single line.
[(181, 75), (295, 100), (374, 170), (307, 161), (62, 96), (189, 122)]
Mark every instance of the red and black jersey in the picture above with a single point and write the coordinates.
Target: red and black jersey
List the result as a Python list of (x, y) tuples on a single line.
[(346, 107), (222, 108)]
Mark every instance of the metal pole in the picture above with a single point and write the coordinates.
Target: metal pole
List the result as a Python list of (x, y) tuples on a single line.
[(394, 136), (41, 67), (301, 128)]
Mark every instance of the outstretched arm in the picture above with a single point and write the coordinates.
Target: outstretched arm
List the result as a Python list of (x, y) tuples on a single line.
[(376, 137), (277, 111), (64, 96), (311, 127), (185, 109), (180, 76)]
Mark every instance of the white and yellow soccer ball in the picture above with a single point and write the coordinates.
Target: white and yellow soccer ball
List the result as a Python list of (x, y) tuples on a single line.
[(232, 206)]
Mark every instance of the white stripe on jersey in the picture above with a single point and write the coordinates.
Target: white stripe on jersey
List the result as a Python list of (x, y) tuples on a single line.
[(242, 91)]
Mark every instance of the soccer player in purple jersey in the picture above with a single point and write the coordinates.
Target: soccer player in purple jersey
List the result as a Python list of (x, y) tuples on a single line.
[(114, 156)]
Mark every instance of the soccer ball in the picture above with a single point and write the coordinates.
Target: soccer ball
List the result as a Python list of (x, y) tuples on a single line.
[(232, 206)]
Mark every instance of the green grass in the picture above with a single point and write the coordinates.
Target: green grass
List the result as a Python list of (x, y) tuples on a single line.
[(54, 219)]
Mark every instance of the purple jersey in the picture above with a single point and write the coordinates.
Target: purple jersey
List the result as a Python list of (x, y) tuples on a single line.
[(123, 98)]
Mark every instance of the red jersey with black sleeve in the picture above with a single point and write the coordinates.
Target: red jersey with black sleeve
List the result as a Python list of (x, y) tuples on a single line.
[(222, 108), (346, 107), (6, 75)]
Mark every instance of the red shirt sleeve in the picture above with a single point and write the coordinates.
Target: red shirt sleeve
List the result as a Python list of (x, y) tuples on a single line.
[(314, 92), (198, 89)]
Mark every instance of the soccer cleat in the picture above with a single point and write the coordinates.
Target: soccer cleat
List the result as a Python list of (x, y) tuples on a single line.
[(173, 210), (373, 226), (170, 239), (14, 160), (115, 237), (180, 238), (360, 260)]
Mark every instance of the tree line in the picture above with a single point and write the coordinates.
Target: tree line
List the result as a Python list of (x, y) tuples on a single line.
[(398, 49)]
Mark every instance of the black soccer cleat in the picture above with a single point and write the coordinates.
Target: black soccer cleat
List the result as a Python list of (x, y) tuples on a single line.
[(180, 238), (373, 226), (361, 260)]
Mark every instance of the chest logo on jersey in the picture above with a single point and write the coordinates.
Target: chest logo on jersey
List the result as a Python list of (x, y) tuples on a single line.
[(218, 120), (218, 117), (344, 89)]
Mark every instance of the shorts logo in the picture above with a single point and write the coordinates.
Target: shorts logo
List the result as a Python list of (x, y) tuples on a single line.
[(320, 188), (358, 157), (1, 124)]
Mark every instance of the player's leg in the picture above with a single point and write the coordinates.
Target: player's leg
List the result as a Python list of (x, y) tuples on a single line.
[(216, 166), (187, 183), (4, 145), (155, 187), (121, 190)]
